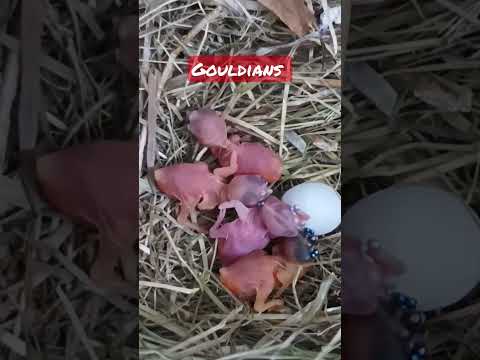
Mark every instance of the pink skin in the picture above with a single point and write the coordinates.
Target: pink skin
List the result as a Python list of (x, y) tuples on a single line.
[(365, 276), (87, 184), (194, 186), (241, 236), (235, 157), (248, 159), (208, 127), (254, 227), (255, 276), (280, 219), (249, 189), (293, 251)]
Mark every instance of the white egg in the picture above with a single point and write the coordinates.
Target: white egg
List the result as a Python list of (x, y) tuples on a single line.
[(431, 231), (320, 202)]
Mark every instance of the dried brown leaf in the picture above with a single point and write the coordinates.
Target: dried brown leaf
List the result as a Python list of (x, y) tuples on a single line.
[(294, 13)]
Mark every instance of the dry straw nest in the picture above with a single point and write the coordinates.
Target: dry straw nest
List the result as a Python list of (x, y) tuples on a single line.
[(185, 313)]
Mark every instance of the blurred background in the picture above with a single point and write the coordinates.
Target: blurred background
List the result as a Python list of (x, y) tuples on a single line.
[(410, 117), (61, 85)]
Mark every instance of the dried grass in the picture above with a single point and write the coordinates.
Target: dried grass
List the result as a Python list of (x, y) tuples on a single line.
[(185, 313)]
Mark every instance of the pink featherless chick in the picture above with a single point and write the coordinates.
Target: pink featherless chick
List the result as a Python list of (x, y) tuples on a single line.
[(241, 236), (297, 256), (194, 186), (235, 157), (255, 227), (281, 219), (295, 249), (255, 276), (208, 128), (252, 278), (248, 189)]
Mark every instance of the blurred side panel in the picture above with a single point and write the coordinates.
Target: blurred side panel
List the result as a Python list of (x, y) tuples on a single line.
[(68, 179), (410, 180)]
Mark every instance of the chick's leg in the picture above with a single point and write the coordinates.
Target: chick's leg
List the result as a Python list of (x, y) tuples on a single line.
[(230, 169), (242, 210), (188, 209), (287, 274), (263, 292), (209, 201), (183, 213)]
